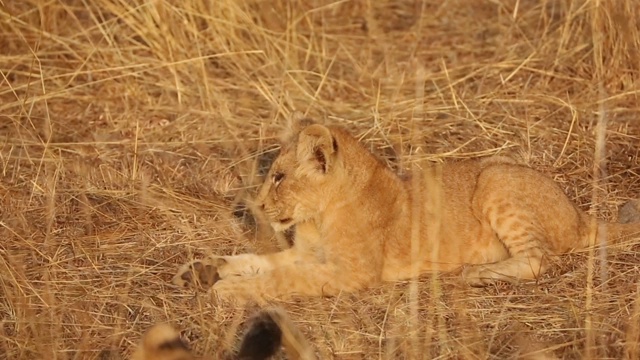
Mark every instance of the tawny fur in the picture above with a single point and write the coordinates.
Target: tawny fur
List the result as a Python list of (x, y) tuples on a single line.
[(358, 223)]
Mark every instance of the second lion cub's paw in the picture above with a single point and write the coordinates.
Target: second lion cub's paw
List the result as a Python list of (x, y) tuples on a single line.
[(199, 273)]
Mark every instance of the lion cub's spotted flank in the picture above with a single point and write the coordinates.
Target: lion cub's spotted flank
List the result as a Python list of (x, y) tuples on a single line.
[(358, 223)]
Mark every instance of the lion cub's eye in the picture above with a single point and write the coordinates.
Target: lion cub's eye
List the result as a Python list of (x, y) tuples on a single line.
[(278, 177)]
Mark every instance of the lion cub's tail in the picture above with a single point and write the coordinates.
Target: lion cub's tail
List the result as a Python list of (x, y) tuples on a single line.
[(628, 223)]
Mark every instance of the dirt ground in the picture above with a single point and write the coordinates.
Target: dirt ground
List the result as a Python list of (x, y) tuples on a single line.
[(132, 131)]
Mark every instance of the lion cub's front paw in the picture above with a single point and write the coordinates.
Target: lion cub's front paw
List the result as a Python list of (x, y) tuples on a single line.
[(483, 275), (242, 265), (199, 273), (205, 273), (476, 275)]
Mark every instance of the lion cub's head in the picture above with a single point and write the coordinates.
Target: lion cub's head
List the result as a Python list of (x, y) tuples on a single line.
[(303, 177)]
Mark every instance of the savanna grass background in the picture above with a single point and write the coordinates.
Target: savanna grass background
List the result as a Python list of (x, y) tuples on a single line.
[(131, 133)]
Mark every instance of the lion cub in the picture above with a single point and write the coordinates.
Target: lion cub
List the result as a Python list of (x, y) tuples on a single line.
[(358, 223), (268, 330)]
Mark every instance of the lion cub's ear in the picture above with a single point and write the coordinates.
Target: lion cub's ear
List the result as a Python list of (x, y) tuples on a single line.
[(316, 146), (295, 123)]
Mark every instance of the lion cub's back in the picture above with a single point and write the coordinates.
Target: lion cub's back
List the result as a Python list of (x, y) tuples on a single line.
[(459, 181)]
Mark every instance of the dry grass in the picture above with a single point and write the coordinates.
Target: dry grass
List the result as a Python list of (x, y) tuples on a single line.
[(127, 131)]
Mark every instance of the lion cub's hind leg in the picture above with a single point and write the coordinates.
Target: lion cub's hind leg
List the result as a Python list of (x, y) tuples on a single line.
[(518, 227), (528, 261)]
